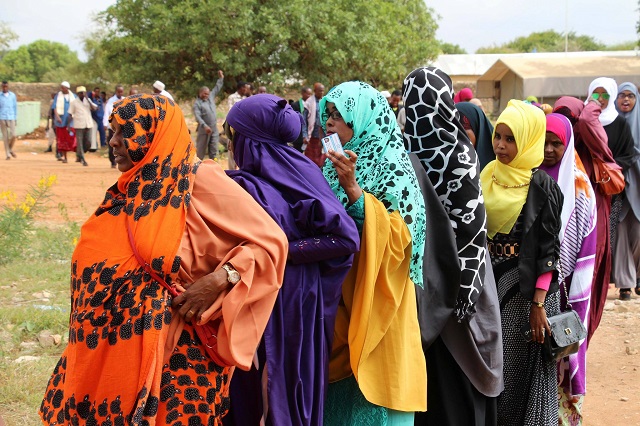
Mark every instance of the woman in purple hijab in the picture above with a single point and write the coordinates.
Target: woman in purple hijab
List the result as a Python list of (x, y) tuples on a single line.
[(293, 357)]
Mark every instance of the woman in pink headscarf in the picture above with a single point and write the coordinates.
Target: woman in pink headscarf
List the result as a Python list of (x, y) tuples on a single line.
[(577, 253), (464, 95), (591, 142)]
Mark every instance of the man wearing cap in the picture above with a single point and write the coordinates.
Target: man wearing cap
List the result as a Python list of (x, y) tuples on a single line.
[(108, 108), (158, 89), (61, 120), (204, 110), (8, 115), (80, 115)]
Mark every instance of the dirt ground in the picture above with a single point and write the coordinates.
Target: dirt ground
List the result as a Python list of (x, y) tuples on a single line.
[(613, 371)]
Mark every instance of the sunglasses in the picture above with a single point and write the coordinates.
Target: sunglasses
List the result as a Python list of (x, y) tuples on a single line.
[(597, 96), (335, 115), (629, 96)]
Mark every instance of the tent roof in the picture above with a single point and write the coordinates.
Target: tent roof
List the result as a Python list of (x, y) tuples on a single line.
[(479, 63), (559, 76)]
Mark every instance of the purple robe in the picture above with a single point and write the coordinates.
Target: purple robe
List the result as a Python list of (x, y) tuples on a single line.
[(322, 239)]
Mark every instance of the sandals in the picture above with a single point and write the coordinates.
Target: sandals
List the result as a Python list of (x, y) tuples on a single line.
[(637, 289), (625, 294)]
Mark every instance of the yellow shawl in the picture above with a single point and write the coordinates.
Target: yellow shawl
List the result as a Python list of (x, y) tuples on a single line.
[(377, 337), (503, 205)]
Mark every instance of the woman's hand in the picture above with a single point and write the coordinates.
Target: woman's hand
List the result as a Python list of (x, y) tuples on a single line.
[(200, 295), (346, 169), (538, 317)]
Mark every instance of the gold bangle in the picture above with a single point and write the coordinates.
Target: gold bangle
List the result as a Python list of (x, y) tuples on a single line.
[(538, 304)]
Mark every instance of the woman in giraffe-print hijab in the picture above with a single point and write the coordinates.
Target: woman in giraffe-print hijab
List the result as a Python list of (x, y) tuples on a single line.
[(463, 337)]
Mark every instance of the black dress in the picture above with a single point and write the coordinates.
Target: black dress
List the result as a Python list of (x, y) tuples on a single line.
[(530, 382), (620, 141)]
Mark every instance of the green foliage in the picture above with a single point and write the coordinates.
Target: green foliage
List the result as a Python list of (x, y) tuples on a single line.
[(451, 49), (627, 45), (40, 61), (185, 42), (546, 41), (16, 218), (7, 35)]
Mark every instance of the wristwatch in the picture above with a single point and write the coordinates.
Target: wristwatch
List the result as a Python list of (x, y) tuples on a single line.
[(233, 276)]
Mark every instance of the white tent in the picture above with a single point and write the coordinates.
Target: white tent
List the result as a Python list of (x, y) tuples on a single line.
[(517, 78)]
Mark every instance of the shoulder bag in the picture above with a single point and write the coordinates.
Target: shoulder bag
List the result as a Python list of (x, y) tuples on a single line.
[(608, 177), (567, 330)]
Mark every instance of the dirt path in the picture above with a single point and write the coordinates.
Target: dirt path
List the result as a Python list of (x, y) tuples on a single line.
[(613, 372)]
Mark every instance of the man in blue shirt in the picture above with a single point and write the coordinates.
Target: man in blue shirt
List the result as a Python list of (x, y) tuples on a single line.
[(8, 116), (98, 114)]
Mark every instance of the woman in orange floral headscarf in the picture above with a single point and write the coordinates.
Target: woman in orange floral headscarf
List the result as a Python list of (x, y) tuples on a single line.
[(133, 355)]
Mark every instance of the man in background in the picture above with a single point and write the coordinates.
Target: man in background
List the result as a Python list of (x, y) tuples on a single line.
[(98, 114), (158, 89), (314, 146), (8, 117), (398, 110), (240, 94), (108, 109), (80, 113), (204, 111), (62, 120), (306, 107)]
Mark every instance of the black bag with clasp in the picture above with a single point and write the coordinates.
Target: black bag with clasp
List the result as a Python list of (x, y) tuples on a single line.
[(567, 330)]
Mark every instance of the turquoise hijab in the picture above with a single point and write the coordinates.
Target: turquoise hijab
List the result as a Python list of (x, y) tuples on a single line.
[(383, 168)]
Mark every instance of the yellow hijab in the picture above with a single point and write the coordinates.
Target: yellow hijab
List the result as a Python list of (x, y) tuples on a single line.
[(503, 204)]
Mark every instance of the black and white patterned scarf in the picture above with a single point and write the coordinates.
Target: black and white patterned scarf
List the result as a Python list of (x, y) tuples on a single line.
[(433, 132)]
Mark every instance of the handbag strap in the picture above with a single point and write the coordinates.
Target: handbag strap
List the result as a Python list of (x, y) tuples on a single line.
[(563, 283), (146, 266)]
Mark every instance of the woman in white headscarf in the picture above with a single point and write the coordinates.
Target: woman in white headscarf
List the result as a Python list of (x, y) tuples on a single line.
[(620, 143), (626, 264)]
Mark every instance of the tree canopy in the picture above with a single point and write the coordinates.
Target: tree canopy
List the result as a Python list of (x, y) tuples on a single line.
[(546, 41), (451, 49), (41, 60), (7, 35), (184, 42)]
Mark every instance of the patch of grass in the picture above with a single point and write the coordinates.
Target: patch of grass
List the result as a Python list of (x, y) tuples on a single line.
[(34, 296)]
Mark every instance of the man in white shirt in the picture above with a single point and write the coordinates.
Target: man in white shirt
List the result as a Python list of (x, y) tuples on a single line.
[(158, 89), (80, 112), (108, 109)]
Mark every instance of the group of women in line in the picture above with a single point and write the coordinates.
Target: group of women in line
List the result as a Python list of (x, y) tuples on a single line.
[(284, 294)]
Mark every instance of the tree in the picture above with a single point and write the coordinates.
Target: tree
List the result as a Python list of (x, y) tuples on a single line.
[(184, 42), (546, 41), (32, 62), (451, 49), (6, 36)]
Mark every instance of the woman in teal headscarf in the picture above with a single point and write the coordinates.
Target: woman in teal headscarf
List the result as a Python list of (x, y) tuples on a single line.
[(377, 369)]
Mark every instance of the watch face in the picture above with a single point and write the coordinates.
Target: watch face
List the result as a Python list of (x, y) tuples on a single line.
[(234, 277)]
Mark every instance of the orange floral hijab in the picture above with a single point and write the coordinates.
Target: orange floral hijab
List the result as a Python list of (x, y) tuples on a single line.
[(119, 316), (154, 194)]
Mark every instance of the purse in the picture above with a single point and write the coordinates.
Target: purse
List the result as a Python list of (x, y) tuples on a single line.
[(206, 332), (567, 330), (608, 177)]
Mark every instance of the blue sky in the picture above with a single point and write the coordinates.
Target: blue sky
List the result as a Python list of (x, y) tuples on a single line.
[(470, 24)]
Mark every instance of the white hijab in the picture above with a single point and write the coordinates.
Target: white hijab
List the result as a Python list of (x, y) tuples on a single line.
[(609, 113)]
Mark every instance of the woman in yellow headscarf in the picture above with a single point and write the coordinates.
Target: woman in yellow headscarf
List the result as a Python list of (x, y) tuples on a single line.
[(523, 222)]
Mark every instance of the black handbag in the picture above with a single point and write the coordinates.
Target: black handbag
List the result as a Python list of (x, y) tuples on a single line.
[(567, 330)]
